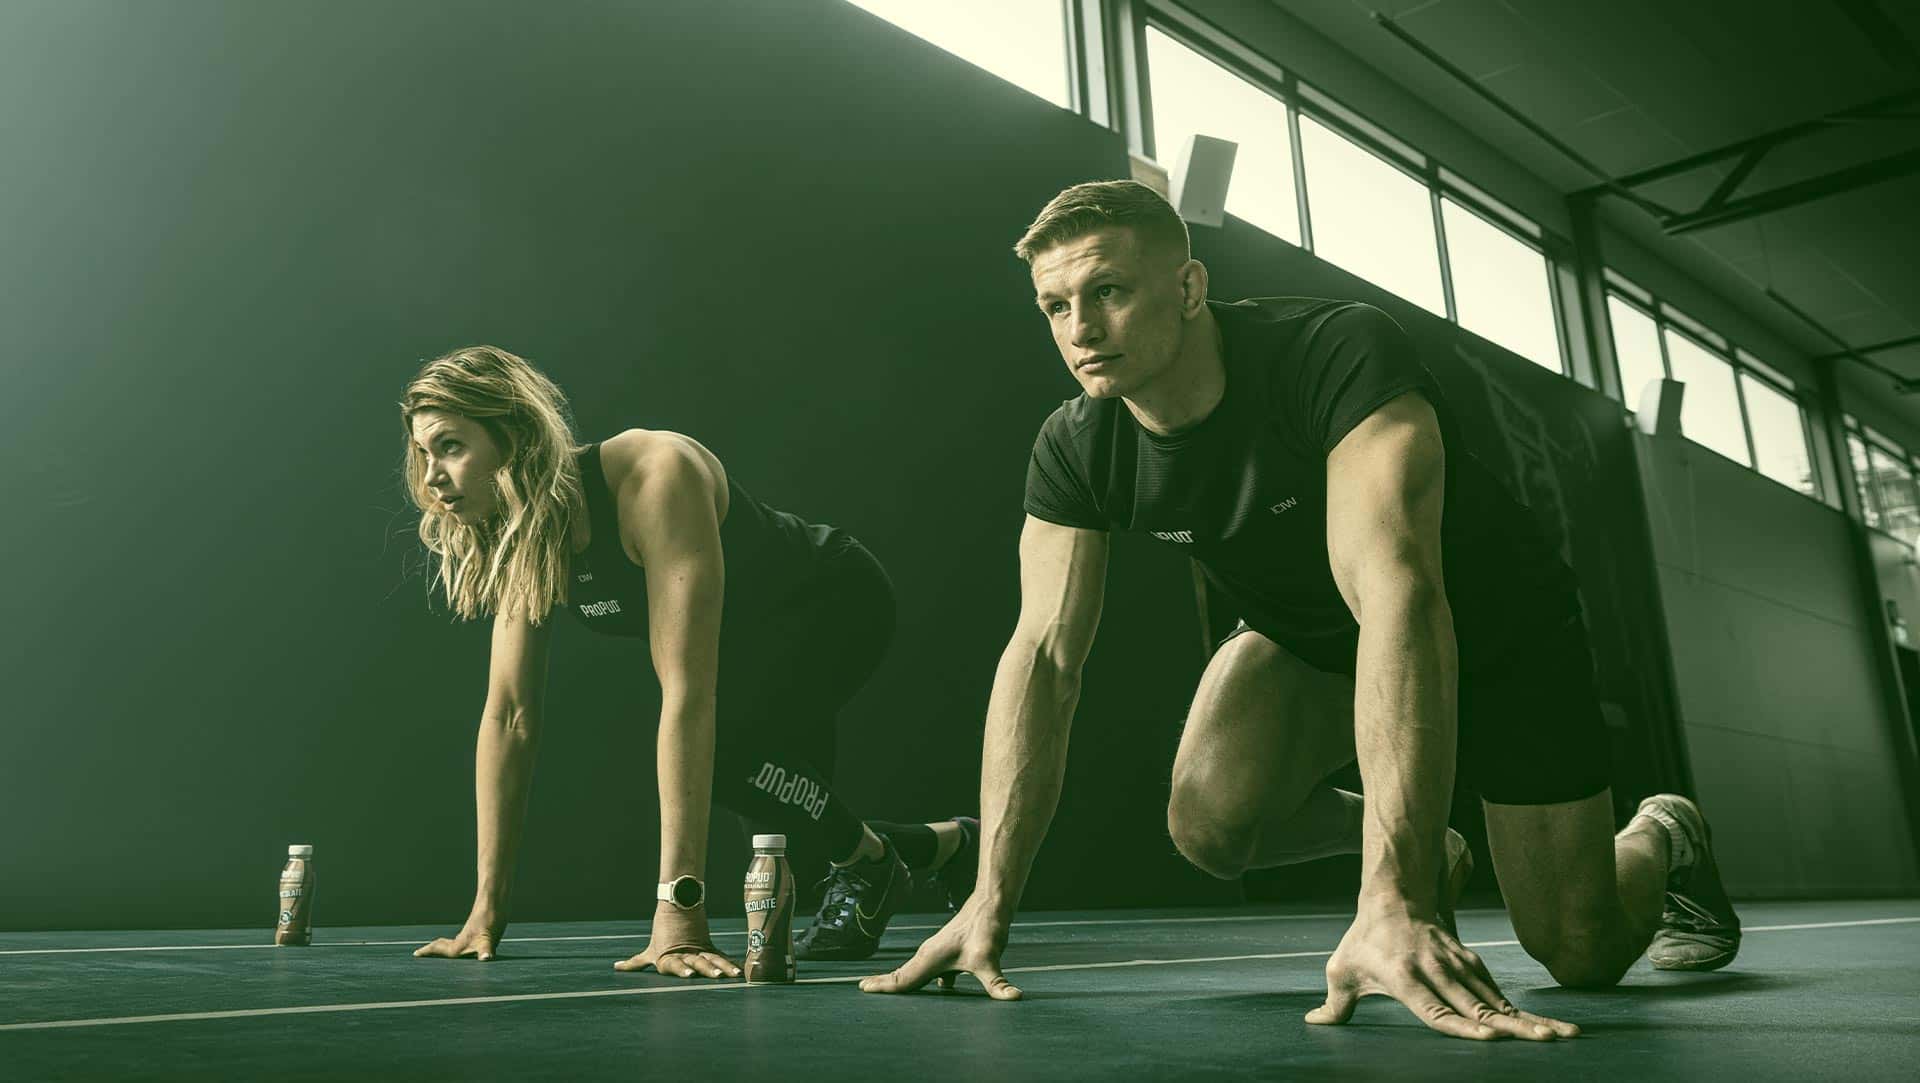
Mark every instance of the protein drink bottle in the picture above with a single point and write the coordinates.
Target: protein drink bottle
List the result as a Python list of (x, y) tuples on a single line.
[(769, 897), (296, 899)]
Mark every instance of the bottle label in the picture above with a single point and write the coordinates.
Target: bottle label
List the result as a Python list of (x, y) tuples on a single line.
[(295, 925), (769, 902)]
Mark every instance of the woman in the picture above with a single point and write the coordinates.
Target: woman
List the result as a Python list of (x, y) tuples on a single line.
[(761, 627)]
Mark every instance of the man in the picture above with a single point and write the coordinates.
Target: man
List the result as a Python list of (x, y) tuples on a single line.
[(1396, 603)]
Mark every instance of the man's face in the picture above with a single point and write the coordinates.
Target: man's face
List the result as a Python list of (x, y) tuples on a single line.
[(1114, 305)]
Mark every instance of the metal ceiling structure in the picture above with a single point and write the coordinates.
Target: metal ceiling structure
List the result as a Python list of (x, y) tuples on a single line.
[(1779, 140)]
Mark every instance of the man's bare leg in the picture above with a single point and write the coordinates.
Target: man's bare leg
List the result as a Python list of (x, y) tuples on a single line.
[(1584, 901), (1264, 732)]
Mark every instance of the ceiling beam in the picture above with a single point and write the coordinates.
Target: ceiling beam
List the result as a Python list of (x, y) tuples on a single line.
[(1790, 195), (1878, 347), (1902, 385), (1607, 183), (1882, 34), (1872, 110)]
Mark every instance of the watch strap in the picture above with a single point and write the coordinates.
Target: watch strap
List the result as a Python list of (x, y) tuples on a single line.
[(665, 892)]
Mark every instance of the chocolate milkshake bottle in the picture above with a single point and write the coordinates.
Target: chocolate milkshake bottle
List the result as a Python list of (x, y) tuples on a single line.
[(769, 912), (296, 899)]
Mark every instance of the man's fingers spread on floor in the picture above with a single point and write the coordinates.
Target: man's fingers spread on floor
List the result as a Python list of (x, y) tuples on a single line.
[(1431, 1008), (1338, 1008), (1492, 995), (1486, 995), (998, 987), (1559, 1028), (1511, 1025), (902, 980), (1454, 995)]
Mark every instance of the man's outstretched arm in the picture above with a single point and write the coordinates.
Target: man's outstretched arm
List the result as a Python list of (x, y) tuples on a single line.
[(1024, 752), (1385, 484)]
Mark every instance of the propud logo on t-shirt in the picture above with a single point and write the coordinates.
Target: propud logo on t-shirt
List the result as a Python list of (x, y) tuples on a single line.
[(600, 609), (1184, 537)]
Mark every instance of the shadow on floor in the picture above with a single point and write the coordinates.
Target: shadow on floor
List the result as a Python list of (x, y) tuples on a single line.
[(1672, 986)]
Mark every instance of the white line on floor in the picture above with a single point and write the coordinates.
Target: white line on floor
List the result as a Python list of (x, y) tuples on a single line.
[(896, 928), (511, 998), (1829, 924), (314, 1009), (642, 934)]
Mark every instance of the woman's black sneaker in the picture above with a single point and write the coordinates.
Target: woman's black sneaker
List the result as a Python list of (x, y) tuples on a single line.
[(859, 900)]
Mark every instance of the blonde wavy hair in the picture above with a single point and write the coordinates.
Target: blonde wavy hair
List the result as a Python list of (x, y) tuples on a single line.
[(516, 561)]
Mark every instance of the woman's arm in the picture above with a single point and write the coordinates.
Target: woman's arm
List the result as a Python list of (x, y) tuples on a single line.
[(502, 777), (669, 495)]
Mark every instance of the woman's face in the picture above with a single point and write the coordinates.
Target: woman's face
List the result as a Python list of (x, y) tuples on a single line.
[(460, 458)]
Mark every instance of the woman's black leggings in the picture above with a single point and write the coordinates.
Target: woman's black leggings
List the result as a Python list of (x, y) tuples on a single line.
[(784, 677)]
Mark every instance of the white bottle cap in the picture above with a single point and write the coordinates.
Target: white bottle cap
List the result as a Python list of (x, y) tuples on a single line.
[(300, 851), (770, 842)]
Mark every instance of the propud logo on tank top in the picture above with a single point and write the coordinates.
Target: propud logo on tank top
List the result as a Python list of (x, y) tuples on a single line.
[(792, 789), (1184, 537), (600, 609)]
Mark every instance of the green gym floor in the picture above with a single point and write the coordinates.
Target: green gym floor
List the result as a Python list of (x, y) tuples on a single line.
[(1821, 990)]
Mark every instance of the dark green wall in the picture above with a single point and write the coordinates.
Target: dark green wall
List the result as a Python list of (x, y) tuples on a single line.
[(233, 229)]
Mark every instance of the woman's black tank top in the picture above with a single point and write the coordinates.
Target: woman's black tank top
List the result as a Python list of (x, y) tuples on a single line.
[(769, 554)]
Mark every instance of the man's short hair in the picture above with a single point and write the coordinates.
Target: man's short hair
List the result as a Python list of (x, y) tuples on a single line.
[(1084, 208)]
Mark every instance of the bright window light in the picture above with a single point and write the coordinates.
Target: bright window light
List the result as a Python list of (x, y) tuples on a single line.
[(1710, 409), (1636, 343), (1021, 41), (1779, 435), (1193, 95), (1863, 480), (1893, 483), (1370, 217), (1500, 286)]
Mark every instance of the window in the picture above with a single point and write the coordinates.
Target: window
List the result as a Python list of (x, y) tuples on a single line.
[(1863, 480), (1193, 95), (1710, 409), (1779, 434), (1636, 343), (1371, 218), (1893, 485), (1021, 41), (1500, 287), (1371, 200)]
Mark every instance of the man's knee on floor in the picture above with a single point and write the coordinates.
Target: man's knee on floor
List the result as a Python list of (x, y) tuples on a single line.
[(1579, 961), (1214, 843)]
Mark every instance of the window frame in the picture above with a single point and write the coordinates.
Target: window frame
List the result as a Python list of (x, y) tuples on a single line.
[(1733, 370), (1301, 98), (1079, 27), (1665, 317), (1748, 367)]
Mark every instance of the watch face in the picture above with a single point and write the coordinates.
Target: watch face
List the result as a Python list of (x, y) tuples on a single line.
[(687, 893)]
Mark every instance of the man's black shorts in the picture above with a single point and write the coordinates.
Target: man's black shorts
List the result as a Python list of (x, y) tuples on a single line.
[(1531, 731)]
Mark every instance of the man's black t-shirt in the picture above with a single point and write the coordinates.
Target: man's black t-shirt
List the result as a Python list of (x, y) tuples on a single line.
[(1244, 491)]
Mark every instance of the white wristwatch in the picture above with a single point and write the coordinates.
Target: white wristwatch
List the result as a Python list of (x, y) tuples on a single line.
[(684, 892)]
